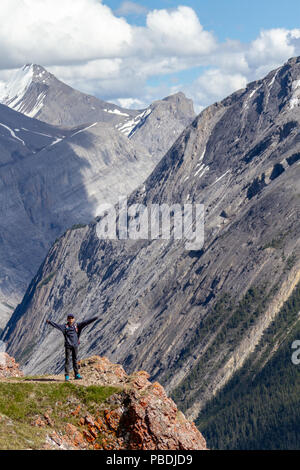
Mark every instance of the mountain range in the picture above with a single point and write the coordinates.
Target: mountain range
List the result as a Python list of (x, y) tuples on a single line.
[(37, 93), (55, 176), (207, 323)]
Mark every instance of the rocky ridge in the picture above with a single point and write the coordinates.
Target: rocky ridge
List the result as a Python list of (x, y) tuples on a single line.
[(157, 127), (37, 93), (138, 415)]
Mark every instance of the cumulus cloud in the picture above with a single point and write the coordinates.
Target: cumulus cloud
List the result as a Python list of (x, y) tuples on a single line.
[(217, 84), (60, 32), (213, 85), (271, 45), (179, 32), (92, 48), (131, 103)]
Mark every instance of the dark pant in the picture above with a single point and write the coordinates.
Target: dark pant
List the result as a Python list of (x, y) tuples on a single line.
[(71, 351)]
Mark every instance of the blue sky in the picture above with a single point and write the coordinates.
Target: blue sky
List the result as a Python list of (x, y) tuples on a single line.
[(134, 52), (235, 19), (226, 19)]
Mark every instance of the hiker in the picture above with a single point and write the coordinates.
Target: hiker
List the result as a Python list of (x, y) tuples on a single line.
[(71, 331)]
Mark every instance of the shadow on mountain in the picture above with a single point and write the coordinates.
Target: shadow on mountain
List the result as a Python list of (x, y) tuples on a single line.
[(41, 195)]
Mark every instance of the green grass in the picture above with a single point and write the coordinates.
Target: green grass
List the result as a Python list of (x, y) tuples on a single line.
[(22, 400), (21, 403), (19, 437)]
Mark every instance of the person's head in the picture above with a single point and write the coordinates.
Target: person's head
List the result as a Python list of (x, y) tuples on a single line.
[(70, 319)]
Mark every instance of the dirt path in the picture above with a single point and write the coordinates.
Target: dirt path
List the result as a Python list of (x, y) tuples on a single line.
[(42, 379)]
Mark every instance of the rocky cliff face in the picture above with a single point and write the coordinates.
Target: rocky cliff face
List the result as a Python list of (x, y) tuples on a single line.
[(21, 141), (190, 318), (52, 179), (136, 415), (142, 417), (157, 127), (37, 93)]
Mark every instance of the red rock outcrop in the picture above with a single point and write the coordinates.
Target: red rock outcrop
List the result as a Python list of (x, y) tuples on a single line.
[(8, 366), (141, 417), (137, 416)]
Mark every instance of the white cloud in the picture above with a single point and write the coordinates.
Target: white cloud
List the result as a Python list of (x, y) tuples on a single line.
[(85, 44), (271, 45), (100, 69), (131, 103), (60, 32), (179, 32), (213, 85)]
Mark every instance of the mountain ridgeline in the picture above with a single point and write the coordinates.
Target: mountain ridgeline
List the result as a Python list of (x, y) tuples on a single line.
[(194, 319), (37, 93), (54, 176)]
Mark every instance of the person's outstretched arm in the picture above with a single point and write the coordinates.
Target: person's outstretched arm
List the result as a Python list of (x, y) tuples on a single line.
[(56, 325), (85, 323)]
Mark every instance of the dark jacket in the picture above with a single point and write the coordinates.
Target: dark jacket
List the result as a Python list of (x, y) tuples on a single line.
[(72, 333)]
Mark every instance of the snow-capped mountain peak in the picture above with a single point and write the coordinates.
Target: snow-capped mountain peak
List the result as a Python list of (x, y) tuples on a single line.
[(15, 92), (37, 93), (15, 89)]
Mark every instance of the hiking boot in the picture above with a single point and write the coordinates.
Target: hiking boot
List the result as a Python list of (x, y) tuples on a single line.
[(67, 378), (78, 377)]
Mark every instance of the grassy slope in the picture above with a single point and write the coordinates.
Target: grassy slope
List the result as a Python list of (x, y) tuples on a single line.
[(21, 403)]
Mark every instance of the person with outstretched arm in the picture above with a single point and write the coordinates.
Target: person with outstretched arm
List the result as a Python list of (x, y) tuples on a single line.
[(71, 331)]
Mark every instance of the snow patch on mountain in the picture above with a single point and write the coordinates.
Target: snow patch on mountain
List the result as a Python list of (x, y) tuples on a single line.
[(13, 91), (84, 129), (273, 80), (203, 168), (295, 100), (34, 132), (130, 126), (12, 133), (38, 106), (246, 104), (221, 177)]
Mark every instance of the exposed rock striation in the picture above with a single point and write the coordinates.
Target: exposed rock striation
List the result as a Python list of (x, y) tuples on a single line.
[(34, 91), (55, 177), (189, 317)]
